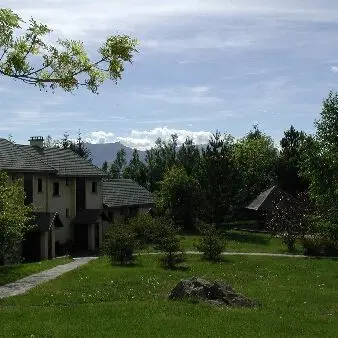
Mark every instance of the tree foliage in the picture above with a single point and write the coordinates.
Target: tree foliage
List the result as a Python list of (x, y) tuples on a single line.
[(136, 170), (289, 219), (289, 162), (217, 177), (179, 195), (15, 218), (255, 158), (118, 166), (25, 55), (78, 146), (320, 166)]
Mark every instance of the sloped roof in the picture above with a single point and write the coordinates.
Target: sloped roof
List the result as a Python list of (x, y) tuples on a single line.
[(65, 161), (125, 192), (266, 199), (45, 220), (13, 157), (89, 216)]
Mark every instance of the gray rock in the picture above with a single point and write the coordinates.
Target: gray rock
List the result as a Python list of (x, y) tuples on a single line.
[(212, 292)]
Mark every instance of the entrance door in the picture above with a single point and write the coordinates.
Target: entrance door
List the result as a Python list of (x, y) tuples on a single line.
[(31, 247), (81, 237)]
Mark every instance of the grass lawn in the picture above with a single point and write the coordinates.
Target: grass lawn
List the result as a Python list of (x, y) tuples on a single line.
[(299, 299), (11, 273), (242, 241)]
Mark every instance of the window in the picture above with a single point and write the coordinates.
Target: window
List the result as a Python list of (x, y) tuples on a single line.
[(67, 181), (94, 187), (67, 212), (56, 189), (39, 184)]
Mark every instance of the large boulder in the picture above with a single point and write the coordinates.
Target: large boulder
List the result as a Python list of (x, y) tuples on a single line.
[(213, 292)]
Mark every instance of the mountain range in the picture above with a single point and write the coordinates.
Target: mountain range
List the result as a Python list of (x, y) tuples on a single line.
[(107, 152)]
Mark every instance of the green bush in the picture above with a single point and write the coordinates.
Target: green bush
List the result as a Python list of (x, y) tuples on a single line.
[(319, 246), (120, 244), (211, 242), (324, 238), (166, 240), (143, 225)]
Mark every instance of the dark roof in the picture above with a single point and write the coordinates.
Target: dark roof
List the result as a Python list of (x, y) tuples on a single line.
[(266, 199), (65, 161), (13, 157), (45, 220), (125, 192), (89, 216)]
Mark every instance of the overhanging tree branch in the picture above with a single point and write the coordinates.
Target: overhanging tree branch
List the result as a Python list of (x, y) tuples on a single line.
[(65, 64)]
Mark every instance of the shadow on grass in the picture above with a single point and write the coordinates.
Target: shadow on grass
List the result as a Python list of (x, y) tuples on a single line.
[(178, 268), (247, 238)]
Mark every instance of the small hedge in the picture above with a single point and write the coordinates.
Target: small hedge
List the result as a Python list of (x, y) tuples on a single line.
[(317, 245)]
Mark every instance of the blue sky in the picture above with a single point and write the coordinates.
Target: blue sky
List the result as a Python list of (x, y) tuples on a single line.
[(202, 66)]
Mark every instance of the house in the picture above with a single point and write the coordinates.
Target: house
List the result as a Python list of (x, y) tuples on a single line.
[(66, 191), (74, 202), (125, 198)]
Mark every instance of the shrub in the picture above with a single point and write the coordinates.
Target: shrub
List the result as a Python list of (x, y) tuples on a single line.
[(323, 240), (211, 242), (166, 240), (120, 244), (143, 225), (317, 245)]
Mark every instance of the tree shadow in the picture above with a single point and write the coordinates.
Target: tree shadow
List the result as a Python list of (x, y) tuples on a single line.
[(178, 268), (247, 238)]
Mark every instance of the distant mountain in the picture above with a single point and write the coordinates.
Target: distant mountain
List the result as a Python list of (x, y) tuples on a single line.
[(107, 152)]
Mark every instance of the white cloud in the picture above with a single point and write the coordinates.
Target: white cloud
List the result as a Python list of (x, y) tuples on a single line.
[(146, 139), (76, 16), (181, 95), (334, 69)]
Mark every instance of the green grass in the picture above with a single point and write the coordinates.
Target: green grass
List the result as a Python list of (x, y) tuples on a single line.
[(299, 298), (242, 241), (11, 273)]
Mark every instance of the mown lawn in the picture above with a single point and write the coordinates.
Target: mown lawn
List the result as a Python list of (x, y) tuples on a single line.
[(299, 298), (11, 273), (243, 241)]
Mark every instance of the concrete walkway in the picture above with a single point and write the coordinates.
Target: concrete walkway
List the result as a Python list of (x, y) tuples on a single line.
[(25, 284)]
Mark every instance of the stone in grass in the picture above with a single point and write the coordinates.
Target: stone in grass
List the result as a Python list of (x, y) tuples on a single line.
[(215, 293)]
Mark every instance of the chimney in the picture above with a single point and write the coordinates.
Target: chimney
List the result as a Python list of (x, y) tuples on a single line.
[(36, 141)]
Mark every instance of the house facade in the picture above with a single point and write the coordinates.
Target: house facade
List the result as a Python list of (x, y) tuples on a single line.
[(73, 201), (61, 186)]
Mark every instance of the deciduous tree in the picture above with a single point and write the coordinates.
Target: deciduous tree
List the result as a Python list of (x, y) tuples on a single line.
[(15, 218), (26, 56)]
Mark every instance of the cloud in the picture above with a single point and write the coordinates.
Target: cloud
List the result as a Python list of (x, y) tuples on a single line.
[(146, 139), (334, 69), (72, 16), (181, 95)]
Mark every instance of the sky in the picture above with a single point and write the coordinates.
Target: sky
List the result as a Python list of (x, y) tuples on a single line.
[(202, 66)]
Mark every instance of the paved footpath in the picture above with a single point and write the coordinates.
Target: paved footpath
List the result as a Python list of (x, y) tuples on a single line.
[(25, 284)]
